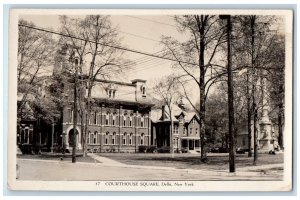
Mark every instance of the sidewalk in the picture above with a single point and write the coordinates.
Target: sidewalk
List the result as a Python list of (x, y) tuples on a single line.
[(104, 160), (244, 171)]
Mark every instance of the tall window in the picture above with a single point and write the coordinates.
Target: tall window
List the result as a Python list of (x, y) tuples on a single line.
[(130, 138), (89, 138), (124, 138), (107, 119), (106, 137), (70, 115), (184, 130), (99, 119), (130, 121), (95, 137), (142, 121), (142, 138), (91, 119), (113, 138), (95, 118), (191, 130), (175, 129), (114, 119), (124, 119), (196, 131)]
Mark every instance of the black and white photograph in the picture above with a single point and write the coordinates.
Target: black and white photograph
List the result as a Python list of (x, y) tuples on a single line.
[(150, 100)]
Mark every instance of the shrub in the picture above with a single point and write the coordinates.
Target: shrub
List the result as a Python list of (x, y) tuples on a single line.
[(112, 149), (184, 150), (26, 148), (163, 150), (142, 149), (152, 149)]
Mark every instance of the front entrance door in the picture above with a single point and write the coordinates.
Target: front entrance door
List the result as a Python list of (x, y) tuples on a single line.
[(191, 145), (71, 137)]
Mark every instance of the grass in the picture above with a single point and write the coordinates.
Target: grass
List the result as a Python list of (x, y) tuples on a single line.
[(58, 158), (192, 161)]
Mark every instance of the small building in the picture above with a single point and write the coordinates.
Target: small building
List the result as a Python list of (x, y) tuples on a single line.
[(186, 131)]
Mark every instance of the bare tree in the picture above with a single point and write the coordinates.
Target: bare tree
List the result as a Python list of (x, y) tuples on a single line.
[(35, 53), (167, 90), (102, 60), (206, 35)]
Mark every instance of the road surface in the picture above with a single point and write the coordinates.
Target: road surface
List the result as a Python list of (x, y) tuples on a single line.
[(46, 170)]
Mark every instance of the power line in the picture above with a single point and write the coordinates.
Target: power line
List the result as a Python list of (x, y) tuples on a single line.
[(112, 46), (151, 21)]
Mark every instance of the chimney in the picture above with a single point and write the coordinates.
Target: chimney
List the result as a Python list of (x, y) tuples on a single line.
[(163, 113)]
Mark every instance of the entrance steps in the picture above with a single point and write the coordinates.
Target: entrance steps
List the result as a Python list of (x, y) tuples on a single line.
[(194, 151)]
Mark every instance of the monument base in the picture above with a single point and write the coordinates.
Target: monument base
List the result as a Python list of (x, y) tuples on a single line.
[(265, 146)]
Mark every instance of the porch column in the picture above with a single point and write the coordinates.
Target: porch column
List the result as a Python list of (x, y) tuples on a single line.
[(194, 143)]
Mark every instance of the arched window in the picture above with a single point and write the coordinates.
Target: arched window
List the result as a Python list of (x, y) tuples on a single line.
[(130, 138), (142, 138), (76, 61), (89, 138), (95, 137), (124, 138), (124, 119), (130, 120), (107, 119), (114, 138), (142, 121), (114, 119), (106, 137)]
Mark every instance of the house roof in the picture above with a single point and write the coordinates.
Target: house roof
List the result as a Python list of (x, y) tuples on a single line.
[(156, 115)]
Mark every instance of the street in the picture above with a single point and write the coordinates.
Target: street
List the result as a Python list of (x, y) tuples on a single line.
[(61, 171)]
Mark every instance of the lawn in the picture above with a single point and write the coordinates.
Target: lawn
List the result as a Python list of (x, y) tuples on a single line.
[(58, 158), (191, 161)]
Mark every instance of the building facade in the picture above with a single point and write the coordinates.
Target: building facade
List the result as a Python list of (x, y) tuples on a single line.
[(119, 120), (186, 131)]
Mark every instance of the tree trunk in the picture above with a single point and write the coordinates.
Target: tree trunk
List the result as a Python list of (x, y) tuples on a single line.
[(202, 88), (172, 136), (280, 132), (254, 109), (249, 117)]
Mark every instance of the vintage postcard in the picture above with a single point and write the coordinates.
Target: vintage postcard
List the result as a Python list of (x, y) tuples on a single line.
[(150, 100)]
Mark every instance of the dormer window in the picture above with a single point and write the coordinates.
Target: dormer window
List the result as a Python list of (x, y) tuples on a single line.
[(76, 62), (143, 90), (111, 93)]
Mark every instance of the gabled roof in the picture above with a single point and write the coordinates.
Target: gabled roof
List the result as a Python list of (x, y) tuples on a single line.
[(156, 115)]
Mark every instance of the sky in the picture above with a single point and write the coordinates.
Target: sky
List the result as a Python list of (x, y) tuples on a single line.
[(138, 32)]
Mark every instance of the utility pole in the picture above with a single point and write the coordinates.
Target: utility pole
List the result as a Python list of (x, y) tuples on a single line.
[(254, 109), (75, 115), (230, 95), (249, 116)]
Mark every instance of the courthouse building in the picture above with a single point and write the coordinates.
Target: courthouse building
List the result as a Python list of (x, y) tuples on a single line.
[(119, 120)]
